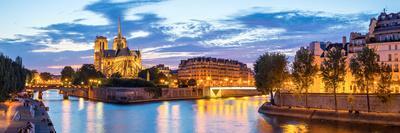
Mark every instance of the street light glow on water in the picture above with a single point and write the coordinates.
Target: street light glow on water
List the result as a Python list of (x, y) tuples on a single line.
[(233, 115)]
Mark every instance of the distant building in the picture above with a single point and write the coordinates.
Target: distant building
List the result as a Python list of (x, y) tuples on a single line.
[(163, 69), (119, 59), (209, 71), (383, 36)]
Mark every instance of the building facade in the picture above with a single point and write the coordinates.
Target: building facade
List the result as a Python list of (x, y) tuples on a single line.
[(209, 71), (120, 59), (383, 36)]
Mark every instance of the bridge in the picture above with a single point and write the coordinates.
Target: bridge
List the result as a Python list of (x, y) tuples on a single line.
[(65, 90), (232, 91)]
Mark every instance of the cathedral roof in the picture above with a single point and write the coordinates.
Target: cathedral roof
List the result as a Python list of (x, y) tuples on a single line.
[(109, 53), (123, 52)]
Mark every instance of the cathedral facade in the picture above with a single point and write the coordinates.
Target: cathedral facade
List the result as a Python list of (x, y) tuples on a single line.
[(120, 59)]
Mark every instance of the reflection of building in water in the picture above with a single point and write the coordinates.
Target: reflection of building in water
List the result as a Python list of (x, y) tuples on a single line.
[(209, 71), (120, 59)]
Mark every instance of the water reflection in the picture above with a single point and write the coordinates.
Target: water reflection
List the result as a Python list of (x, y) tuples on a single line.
[(202, 116)]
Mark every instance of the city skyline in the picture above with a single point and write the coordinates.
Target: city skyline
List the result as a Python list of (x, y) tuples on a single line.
[(49, 35)]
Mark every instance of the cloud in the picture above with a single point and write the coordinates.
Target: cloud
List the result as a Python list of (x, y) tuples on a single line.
[(157, 53), (87, 57), (63, 45), (248, 36), (161, 55), (138, 34), (62, 66)]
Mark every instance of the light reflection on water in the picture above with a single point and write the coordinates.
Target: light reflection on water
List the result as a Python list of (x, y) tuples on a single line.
[(239, 115)]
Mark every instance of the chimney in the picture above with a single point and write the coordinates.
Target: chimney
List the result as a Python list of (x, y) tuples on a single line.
[(344, 40)]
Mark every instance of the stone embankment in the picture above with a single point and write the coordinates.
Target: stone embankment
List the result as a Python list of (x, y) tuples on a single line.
[(28, 115), (351, 108), (332, 115)]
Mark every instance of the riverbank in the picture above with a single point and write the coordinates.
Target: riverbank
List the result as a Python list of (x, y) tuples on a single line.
[(332, 115), (25, 114)]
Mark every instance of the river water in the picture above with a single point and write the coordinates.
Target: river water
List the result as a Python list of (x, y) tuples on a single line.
[(230, 115)]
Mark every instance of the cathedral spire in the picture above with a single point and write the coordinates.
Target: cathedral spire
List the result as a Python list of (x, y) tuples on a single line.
[(119, 27)]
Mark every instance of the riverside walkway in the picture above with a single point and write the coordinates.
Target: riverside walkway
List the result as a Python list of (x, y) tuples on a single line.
[(25, 114)]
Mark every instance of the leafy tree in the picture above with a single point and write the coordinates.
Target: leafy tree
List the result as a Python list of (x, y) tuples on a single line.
[(67, 73), (85, 73), (364, 68), (191, 82), (182, 83), (13, 76), (161, 76), (155, 75), (45, 76), (385, 78), (116, 75), (333, 70), (304, 70), (270, 72)]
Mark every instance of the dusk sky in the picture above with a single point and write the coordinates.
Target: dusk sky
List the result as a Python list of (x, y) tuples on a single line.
[(50, 34)]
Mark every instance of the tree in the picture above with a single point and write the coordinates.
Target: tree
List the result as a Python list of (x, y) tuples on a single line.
[(45, 76), (270, 72), (191, 82), (85, 73), (364, 68), (116, 75), (385, 79), (182, 83), (153, 73), (67, 73), (333, 70), (304, 70), (13, 76)]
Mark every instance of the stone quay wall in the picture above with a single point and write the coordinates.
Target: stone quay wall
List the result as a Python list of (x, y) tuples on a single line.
[(344, 102), (138, 94)]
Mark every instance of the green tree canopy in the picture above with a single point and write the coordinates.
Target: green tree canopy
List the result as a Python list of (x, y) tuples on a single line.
[(270, 72), (385, 81), (67, 73), (155, 75), (364, 67), (13, 76), (85, 73), (333, 70), (303, 70), (191, 82), (45, 76), (116, 75)]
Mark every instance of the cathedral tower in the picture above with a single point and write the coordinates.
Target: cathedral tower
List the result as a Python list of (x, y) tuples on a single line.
[(100, 44)]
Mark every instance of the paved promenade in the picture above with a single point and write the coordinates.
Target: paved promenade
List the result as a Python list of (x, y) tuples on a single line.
[(25, 114)]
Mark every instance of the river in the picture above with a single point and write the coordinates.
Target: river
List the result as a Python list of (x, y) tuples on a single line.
[(238, 115)]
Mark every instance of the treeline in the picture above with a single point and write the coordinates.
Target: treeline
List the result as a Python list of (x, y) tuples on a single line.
[(88, 75), (272, 71), (12, 76)]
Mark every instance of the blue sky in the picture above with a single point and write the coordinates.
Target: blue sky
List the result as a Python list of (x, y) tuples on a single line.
[(50, 34)]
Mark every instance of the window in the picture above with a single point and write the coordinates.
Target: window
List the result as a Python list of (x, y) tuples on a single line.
[(390, 57), (390, 47), (378, 59), (396, 67), (395, 47)]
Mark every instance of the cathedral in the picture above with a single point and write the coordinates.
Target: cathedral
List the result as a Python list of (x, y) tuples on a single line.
[(120, 59)]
